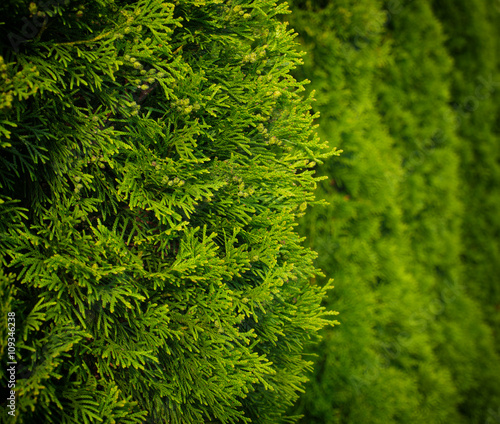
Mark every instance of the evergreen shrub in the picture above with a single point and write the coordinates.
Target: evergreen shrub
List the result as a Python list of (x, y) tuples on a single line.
[(154, 160), (473, 39), (413, 346), (438, 214), (361, 236)]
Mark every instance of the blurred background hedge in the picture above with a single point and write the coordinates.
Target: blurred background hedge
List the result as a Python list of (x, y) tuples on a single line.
[(410, 92)]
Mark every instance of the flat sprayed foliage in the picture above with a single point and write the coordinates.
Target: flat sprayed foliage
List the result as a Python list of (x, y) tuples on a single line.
[(154, 158)]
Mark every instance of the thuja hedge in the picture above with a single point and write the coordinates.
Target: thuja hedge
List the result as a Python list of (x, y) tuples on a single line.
[(360, 236), (154, 160), (413, 345), (472, 38), (435, 210)]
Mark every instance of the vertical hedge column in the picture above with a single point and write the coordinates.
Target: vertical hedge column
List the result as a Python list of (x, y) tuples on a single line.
[(155, 157)]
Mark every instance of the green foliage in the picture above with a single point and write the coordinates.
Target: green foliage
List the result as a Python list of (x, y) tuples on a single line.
[(413, 346), (432, 201), (155, 159), (472, 29)]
